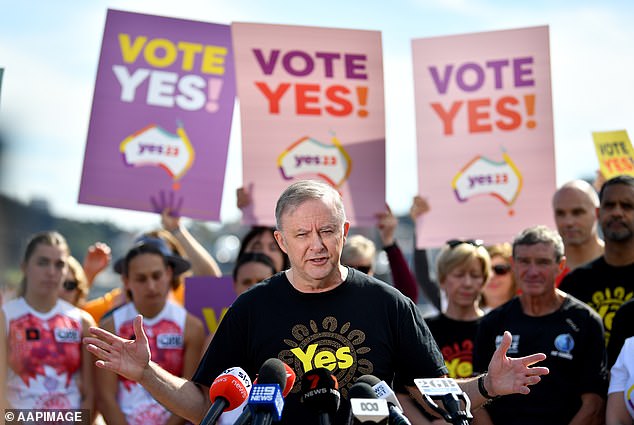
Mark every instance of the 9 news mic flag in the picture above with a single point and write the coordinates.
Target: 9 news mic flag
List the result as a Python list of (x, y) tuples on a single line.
[(266, 403)]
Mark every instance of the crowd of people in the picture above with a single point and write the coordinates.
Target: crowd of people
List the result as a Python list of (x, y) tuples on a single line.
[(537, 330)]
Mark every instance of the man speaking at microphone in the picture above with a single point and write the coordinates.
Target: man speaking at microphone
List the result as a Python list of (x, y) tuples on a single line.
[(318, 313)]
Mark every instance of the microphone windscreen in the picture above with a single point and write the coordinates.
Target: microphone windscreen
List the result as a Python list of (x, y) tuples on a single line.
[(320, 391), (273, 372), (233, 385), (371, 380), (381, 389), (290, 380), (361, 390)]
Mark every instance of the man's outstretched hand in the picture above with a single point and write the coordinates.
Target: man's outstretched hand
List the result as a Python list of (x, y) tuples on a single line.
[(509, 375), (128, 358)]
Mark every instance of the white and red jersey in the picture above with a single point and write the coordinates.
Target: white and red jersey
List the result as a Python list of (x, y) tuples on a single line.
[(44, 356), (165, 333)]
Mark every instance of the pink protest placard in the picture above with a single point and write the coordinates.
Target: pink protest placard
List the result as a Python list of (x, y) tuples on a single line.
[(161, 116), (484, 134), (311, 107)]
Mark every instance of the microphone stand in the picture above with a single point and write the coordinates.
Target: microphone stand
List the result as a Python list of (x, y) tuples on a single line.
[(454, 414)]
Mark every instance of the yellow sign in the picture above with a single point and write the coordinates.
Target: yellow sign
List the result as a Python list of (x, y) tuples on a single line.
[(615, 153)]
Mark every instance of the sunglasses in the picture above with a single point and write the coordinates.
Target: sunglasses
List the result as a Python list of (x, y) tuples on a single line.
[(455, 242), (71, 285), (501, 269)]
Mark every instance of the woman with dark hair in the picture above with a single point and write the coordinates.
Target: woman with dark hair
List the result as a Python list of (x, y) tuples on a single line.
[(175, 336), (181, 243), (43, 364), (76, 287), (260, 239), (251, 268)]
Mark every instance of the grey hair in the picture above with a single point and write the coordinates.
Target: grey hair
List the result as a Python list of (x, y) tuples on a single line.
[(306, 190), (540, 234)]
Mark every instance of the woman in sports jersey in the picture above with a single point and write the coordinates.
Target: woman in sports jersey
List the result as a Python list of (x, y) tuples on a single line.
[(43, 364), (175, 337)]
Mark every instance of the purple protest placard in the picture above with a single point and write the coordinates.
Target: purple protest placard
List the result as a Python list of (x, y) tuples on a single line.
[(209, 298), (161, 116)]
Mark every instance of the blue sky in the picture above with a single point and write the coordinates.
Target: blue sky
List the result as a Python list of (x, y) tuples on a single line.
[(50, 51)]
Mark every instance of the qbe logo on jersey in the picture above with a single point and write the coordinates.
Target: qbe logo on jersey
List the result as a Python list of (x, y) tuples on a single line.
[(437, 386), (67, 335), (166, 341)]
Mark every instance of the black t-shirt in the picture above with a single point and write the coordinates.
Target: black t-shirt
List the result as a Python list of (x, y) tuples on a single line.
[(602, 286), (455, 338), (571, 338), (363, 326), (622, 328)]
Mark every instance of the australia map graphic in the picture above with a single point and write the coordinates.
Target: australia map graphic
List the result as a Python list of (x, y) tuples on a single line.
[(156, 147), (310, 158), (483, 176)]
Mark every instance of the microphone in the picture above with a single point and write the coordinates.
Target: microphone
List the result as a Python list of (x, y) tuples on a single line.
[(246, 416), (365, 407), (227, 392), (383, 391), (447, 390), (265, 400), (290, 380), (320, 393)]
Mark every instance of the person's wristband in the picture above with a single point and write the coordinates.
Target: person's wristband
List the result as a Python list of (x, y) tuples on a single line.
[(483, 389)]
